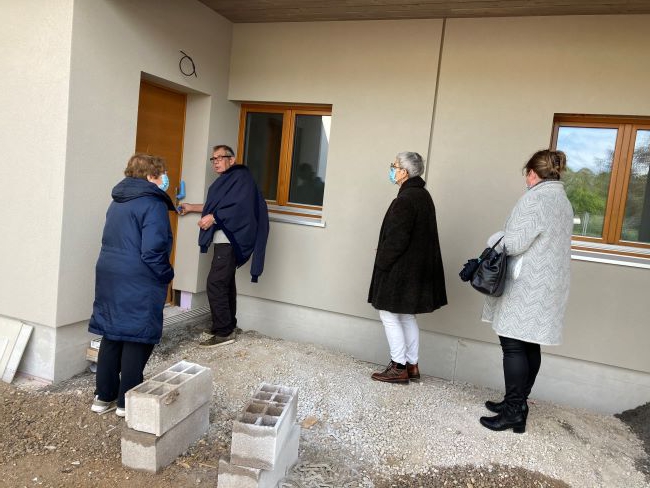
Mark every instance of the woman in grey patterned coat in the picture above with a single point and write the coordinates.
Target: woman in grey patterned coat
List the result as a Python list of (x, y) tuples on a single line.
[(530, 313)]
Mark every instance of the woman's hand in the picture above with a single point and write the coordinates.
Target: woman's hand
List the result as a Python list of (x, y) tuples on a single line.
[(494, 238), (206, 221)]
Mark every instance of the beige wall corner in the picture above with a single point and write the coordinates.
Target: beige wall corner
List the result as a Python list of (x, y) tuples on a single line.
[(35, 56)]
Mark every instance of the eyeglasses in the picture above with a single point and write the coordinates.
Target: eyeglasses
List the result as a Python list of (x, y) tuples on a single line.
[(393, 165), (221, 158)]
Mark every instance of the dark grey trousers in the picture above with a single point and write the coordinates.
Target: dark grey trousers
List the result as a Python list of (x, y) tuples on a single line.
[(222, 290)]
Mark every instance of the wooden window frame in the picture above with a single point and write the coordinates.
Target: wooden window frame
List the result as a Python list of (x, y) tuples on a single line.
[(281, 203), (627, 128)]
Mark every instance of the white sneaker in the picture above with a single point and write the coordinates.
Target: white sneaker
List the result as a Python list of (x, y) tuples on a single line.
[(120, 412), (100, 406)]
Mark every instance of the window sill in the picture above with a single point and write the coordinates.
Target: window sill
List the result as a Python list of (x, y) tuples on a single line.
[(292, 215), (610, 254)]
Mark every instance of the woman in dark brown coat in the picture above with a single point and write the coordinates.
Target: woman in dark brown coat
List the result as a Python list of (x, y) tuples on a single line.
[(407, 278)]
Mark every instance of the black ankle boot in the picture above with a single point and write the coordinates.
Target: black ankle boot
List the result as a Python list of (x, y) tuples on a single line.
[(509, 418), (497, 407)]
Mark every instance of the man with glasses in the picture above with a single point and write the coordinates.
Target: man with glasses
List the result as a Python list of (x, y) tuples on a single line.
[(235, 220)]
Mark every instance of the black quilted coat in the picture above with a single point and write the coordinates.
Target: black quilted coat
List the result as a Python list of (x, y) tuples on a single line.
[(408, 275)]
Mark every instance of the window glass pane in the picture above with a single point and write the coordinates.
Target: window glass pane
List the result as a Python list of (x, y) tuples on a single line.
[(590, 153), (636, 224), (262, 144), (309, 161)]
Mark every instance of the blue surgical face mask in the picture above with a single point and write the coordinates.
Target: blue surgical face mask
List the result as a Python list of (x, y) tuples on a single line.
[(392, 175), (165, 182)]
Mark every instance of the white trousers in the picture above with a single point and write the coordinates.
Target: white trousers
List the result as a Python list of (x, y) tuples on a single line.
[(403, 336)]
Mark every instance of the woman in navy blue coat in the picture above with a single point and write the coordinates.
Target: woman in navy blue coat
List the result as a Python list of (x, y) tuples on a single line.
[(132, 275)]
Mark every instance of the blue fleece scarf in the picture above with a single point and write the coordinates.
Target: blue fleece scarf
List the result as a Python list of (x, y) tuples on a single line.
[(241, 213)]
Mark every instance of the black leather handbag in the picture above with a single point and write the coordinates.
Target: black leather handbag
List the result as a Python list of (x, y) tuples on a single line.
[(487, 274)]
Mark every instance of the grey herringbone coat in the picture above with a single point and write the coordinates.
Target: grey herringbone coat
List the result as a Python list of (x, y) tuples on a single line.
[(538, 242)]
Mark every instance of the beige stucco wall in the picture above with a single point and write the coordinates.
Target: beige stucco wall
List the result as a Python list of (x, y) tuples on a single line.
[(35, 59), (379, 78), (501, 81), (114, 42)]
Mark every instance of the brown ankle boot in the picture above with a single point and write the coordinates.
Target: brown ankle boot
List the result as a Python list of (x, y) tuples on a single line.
[(392, 374), (413, 371)]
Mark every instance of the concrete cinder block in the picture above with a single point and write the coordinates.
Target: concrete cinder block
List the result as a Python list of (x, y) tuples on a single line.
[(233, 476), (149, 452), (163, 401), (263, 426)]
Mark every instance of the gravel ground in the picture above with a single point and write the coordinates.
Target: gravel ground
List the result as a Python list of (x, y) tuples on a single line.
[(355, 432)]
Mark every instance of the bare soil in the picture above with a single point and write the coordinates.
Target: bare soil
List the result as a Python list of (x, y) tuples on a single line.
[(638, 419), (49, 437)]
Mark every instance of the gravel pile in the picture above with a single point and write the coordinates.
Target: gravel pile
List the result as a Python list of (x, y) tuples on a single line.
[(368, 430), (355, 432)]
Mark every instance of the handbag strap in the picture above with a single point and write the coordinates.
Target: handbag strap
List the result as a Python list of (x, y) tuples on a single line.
[(492, 248)]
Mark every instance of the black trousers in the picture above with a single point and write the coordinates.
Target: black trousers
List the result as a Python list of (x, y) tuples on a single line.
[(521, 362), (222, 290), (119, 368)]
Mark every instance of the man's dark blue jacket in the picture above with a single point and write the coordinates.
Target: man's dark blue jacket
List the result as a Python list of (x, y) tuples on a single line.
[(133, 268), (240, 211)]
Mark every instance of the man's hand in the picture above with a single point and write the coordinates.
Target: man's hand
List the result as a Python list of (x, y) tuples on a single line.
[(206, 221), (185, 208)]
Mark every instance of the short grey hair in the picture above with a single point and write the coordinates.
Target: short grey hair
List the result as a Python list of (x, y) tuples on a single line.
[(412, 162)]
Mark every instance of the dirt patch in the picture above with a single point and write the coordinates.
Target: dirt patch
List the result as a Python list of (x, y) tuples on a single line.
[(52, 439), (475, 477), (638, 419)]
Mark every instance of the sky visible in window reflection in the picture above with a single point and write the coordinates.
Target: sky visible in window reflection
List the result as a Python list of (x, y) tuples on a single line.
[(587, 147)]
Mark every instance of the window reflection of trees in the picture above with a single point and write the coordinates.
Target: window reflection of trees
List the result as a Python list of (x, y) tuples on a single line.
[(636, 224), (587, 191)]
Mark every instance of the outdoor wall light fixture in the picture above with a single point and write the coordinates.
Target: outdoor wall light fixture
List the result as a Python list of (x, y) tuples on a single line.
[(187, 66)]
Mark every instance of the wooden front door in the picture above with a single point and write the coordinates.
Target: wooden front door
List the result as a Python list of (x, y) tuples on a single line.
[(160, 132)]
